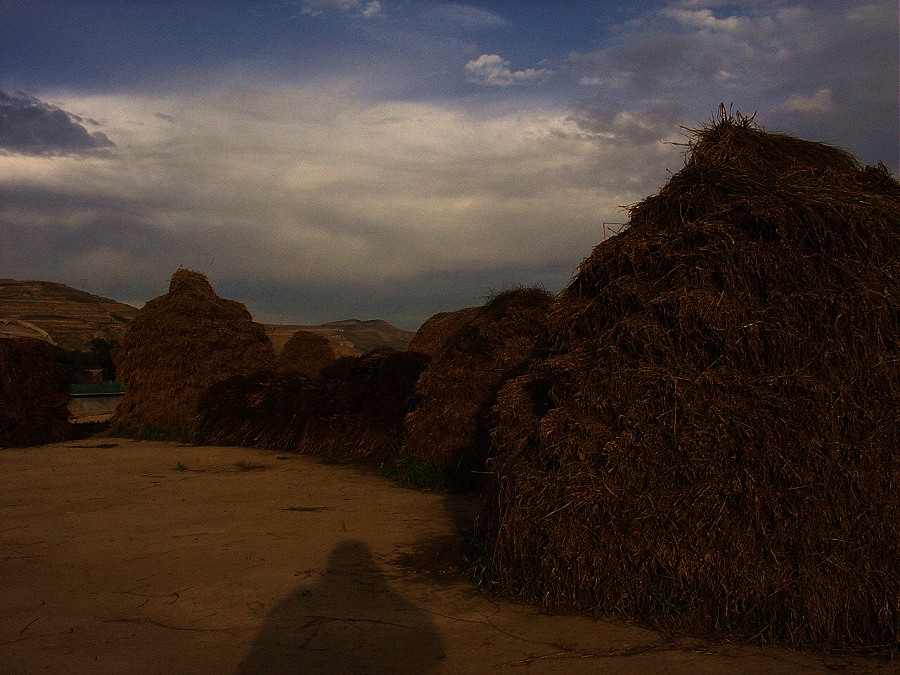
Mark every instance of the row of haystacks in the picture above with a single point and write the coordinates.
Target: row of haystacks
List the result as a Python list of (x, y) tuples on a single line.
[(256, 410), (397, 406), (353, 410), (180, 344), (710, 438), (34, 392), (197, 368), (474, 351)]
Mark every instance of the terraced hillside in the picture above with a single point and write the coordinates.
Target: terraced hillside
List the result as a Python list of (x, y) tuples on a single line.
[(69, 317)]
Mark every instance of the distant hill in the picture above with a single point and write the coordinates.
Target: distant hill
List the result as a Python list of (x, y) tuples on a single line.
[(349, 337), (71, 318), (68, 317)]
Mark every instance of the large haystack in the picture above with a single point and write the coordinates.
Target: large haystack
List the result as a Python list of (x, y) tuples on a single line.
[(34, 392), (710, 440), (178, 345), (306, 353), (447, 429)]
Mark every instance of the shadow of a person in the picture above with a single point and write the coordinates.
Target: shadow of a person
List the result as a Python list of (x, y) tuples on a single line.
[(347, 622)]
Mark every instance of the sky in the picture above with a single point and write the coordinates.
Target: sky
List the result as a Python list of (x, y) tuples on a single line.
[(323, 160)]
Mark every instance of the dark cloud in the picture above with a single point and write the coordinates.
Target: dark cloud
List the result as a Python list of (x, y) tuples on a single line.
[(404, 304), (30, 126)]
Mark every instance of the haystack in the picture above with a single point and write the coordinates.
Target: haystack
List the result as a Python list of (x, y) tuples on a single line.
[(434, 335), (34, 392), (178, 345), (710, 438), (361, 404), (354, 410), (265, 409), (447, 430), (306, 353)]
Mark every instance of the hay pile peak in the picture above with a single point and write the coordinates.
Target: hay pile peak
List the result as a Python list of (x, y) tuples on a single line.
[(709, 439), (190, 283)]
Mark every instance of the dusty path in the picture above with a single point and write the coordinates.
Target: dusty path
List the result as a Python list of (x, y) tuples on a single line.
[(143, 557)]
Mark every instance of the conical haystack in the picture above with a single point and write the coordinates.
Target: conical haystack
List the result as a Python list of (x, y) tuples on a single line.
[(178, 345), (710, 440), (306, 353), (447, 429), (34, 392)]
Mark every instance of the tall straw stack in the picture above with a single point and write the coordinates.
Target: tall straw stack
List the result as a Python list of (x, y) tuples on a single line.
[(178, 345), (439, 330), (710, 438)]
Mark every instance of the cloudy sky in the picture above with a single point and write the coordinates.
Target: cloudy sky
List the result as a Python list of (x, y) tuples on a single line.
[(332, 159)]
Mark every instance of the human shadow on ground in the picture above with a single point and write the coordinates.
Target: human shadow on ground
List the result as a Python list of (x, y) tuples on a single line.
[(349, 621)]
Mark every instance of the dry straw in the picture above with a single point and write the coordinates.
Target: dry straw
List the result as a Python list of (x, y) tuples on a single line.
[(262, 409), (34, 392), (362, 403), (709, 440), (178, 345), (447, 429), (305, 353), (434, 335), (354, 410)]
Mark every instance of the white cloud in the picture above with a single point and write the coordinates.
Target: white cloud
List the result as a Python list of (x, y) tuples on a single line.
[(701, 18), (371, 9), (491, 69), (465, 16), (820, 102)]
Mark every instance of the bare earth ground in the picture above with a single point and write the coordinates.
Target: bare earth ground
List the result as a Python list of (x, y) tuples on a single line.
[(120, 556)]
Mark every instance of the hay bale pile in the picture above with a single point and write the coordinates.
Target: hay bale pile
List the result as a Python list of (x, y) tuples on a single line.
[(361, 404), (34, 392), (306, 353), (710, 439), (354, 410), (263, 410), (178, 345), (447, 430)]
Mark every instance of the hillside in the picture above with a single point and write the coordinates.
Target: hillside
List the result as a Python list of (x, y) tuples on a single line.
[(69, 317)]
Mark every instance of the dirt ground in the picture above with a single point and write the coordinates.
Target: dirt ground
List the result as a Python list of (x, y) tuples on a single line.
[(120, 556)]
